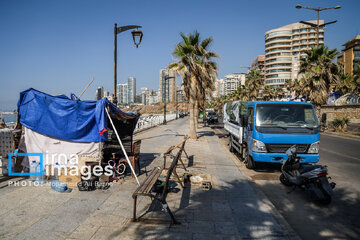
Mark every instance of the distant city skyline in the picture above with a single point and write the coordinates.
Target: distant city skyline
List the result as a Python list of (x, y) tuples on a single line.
[(58, 46)]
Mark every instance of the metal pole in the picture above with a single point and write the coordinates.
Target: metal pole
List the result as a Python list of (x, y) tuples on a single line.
[(115, 57), (317, 29), (176, 109), (164, 96)]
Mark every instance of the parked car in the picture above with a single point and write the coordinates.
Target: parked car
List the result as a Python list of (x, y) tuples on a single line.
[(211, 117)]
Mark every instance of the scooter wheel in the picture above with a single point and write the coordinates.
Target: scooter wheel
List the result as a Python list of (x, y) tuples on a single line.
[(284, 180), (327, 198)]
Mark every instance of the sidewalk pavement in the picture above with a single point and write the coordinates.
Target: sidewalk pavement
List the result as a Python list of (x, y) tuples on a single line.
[(232, 209)]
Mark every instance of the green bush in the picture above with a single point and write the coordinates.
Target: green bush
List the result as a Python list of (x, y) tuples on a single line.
[(345, 120), (337, 122), (341, 123)]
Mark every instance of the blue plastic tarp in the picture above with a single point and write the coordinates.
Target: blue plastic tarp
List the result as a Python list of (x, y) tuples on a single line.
[(63, 118)]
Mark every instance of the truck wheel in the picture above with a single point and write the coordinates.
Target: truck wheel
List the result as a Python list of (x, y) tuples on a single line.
[(230, 144), (249, 163)]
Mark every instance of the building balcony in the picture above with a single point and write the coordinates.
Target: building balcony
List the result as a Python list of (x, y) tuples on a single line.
[(278, 41)]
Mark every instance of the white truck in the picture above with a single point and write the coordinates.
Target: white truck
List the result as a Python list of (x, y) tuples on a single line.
[(233, 123)]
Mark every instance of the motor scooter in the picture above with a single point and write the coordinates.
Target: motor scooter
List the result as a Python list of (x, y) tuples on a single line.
[(306, 176)]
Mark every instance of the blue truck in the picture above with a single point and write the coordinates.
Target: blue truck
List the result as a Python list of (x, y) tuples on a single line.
[(261, 131)]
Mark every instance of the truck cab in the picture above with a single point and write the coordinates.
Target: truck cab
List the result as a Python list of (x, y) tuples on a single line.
[(271, 127)]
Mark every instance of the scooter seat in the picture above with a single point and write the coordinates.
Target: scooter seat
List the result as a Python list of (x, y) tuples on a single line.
[(307, 168)]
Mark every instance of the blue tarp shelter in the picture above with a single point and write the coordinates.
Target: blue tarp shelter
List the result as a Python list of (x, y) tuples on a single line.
[(70, 119)]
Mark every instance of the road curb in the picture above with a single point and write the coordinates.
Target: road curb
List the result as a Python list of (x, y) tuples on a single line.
[(341, 135)]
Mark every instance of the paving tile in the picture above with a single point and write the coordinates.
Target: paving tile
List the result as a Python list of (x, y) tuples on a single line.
[(197, 226), (83, 232), (226, 228)]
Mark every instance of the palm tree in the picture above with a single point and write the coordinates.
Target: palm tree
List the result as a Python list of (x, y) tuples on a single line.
[(318, 73), (278, 93), (347, 83), (198, 72), (254, 81), (267, 93)]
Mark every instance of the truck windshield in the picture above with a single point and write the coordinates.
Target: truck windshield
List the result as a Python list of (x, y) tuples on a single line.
[(286, 116)]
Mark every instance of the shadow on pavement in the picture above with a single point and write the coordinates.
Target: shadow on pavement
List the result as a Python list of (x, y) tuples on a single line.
[(312, 220), (205, 133), (224, 212), (229, 211)]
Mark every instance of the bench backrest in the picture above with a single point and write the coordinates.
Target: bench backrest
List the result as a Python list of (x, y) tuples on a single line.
[(169, 172)]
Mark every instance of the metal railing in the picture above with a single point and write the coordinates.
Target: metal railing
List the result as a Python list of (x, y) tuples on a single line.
[(146, 122)]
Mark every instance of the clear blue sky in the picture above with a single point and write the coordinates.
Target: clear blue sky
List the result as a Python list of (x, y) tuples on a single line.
[(58, 46)]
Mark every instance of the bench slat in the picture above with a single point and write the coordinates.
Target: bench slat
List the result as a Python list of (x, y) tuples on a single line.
[(146, 186)]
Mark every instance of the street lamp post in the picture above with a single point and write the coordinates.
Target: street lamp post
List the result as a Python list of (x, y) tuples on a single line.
[(165, 89), (137, 36), (317, 25)]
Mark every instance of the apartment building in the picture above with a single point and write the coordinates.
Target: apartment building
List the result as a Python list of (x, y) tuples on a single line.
[(122, 93), (232, 82), (284, 47), (350, 55)]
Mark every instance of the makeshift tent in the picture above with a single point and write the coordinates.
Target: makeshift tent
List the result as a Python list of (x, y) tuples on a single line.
[(55, 125)]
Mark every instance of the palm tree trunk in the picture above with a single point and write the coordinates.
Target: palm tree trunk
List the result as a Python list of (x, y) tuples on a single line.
[(192, 107), (192, 131), (196, 113)]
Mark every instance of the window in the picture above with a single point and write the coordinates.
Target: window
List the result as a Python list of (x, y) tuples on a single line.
[(286, 116), (277, 33)]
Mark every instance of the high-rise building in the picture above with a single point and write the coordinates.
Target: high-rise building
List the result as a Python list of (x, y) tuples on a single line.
[(284, 47), (99, 93), (122, 93), (131, 82), (233, 81), (350, 55), (168, 86)]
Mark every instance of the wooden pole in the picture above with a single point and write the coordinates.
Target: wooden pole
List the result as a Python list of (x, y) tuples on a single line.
[(87, 87)]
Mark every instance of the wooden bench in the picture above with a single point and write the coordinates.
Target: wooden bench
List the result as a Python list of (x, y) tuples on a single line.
[(146, 186), (181, 146)]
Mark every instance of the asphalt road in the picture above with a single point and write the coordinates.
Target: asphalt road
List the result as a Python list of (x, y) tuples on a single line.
[(340, 219)]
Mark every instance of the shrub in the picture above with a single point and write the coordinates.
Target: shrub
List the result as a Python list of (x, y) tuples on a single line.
[(341, 123), (337, 122)]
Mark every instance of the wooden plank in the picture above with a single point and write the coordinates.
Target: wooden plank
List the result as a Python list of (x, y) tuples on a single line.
[(149, 181)]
